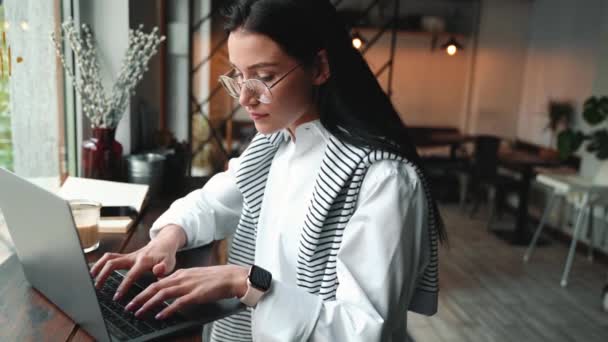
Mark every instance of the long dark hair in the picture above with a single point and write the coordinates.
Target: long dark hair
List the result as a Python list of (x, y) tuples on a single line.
[(353, 107)]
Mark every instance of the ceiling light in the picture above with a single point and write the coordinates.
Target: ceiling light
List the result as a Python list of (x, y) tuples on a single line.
[(452, 46), (358, 40)]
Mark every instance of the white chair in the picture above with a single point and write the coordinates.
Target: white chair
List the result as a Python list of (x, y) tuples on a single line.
[(585, 195)]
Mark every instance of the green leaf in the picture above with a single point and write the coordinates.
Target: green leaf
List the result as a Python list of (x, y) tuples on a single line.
[(595, 110), (599, 144), (568, 141)]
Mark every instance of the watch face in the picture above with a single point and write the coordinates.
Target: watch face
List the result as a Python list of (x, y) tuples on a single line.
[(260, 278)]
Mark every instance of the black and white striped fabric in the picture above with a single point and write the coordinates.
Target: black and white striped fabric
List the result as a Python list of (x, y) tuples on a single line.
[(333, 203)]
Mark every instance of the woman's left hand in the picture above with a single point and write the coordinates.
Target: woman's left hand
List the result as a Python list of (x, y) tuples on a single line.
[(192, 286)]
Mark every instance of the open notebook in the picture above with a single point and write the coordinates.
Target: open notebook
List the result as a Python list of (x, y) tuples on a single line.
[(109, 194)]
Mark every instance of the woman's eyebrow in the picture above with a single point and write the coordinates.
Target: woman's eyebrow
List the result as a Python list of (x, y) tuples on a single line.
[(257, 65)]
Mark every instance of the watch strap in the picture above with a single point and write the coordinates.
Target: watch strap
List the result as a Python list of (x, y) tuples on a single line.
[(258, 283), (252, 296)]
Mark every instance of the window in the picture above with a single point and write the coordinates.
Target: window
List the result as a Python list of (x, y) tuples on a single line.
[(31, 99), (6, 149)]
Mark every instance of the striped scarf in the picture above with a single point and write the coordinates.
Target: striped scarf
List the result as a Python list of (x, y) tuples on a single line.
[(333, 203)]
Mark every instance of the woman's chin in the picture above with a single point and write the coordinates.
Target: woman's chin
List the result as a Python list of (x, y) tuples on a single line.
[(266, 128)]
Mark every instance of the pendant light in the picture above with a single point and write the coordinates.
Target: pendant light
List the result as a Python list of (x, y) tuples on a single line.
[(452, 46), (358, 40)]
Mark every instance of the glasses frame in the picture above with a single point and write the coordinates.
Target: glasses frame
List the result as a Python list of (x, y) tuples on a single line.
[(243, 84)]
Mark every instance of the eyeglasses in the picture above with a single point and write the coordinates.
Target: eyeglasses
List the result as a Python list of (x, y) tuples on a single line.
[(254, 87)]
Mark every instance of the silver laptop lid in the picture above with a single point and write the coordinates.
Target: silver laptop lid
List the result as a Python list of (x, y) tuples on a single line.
[(46, 242)]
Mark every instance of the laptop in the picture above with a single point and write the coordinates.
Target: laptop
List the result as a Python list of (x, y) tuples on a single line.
[(47, 245)]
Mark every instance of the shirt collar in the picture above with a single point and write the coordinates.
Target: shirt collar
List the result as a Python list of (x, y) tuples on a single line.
[(308, 130)]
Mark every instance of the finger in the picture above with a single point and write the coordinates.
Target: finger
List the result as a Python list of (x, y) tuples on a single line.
[(132, 275), (160, 269), (143, 296), (151, 291), (177, 305), (109, 267), (161, 296), (102, 261), (164, 268)]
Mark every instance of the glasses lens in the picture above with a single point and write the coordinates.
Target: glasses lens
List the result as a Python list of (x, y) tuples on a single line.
[(252, 87), (259, 90), (232, 87)]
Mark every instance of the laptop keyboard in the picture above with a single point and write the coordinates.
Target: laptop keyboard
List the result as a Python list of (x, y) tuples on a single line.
[(123, 324)]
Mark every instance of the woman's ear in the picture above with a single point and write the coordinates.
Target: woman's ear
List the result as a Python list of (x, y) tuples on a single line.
[(322, 71)]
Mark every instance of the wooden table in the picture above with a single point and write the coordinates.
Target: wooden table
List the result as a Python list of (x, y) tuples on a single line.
[(524, 163), (26, 315), (452, 141)]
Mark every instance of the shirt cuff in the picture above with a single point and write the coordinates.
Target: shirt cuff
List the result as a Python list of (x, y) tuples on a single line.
[(159, 225), (291, 308), (189, 224)]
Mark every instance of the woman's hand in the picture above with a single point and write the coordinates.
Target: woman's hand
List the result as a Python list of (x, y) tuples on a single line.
[(192, 286), (158, 256)]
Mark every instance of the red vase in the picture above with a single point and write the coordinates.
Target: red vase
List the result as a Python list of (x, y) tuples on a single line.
[(102, 155)]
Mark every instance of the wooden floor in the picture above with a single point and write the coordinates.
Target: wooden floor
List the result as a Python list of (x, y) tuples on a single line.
[(488, 294)]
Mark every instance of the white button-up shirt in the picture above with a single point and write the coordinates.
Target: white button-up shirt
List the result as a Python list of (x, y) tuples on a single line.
[(378, 262)]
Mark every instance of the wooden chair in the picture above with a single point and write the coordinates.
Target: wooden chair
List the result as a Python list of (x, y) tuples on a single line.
[(484, 177)]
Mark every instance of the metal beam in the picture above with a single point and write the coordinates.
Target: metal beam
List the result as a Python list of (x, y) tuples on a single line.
[(393, 48)]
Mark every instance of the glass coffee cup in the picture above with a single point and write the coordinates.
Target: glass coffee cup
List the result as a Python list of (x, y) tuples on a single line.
[(86, 217)]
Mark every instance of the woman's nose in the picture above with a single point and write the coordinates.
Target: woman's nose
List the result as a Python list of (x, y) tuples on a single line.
[(246, 98)]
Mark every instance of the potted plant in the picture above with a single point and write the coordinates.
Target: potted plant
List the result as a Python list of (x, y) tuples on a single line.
[(560, 115), (102, 154), (595, 112)]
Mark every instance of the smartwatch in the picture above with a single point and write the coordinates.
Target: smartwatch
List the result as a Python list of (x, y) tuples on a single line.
[(258, 283)]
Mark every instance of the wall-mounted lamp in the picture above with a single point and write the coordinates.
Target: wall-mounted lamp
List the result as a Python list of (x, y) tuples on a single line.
[(452, 46), (358, 40)]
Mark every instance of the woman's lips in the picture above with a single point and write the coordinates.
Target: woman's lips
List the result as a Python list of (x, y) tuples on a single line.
[(257, 116)]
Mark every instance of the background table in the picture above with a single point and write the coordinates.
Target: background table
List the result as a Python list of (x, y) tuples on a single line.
[(524, 163)]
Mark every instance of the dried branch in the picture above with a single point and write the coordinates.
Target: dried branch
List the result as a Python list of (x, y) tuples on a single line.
[(104, 111)]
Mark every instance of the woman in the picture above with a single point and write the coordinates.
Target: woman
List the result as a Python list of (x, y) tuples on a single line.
[(328, 202)]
